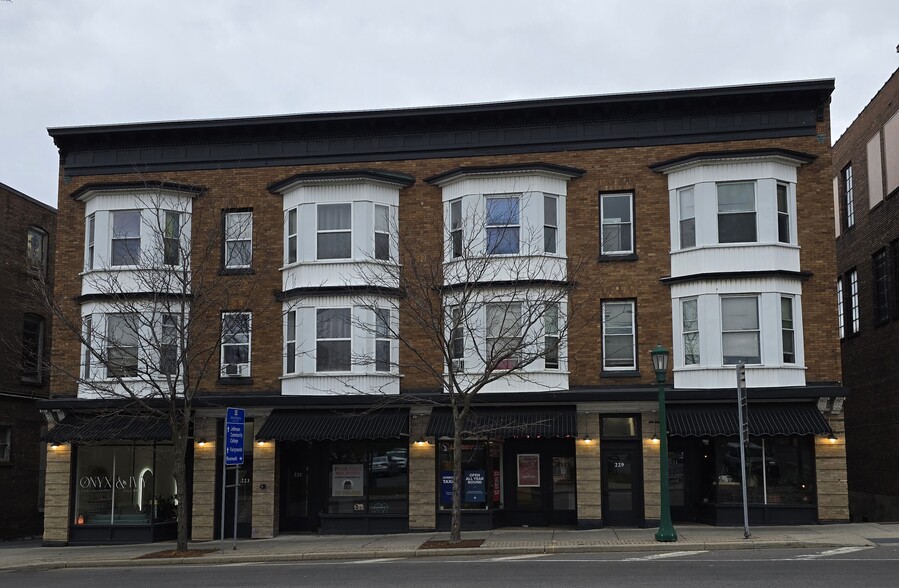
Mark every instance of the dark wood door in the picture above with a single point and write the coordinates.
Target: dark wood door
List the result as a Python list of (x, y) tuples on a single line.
[(299, 512), (622, 483)]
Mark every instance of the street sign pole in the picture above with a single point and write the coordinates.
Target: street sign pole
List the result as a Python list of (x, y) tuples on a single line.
[(743, 419), (233, 456)]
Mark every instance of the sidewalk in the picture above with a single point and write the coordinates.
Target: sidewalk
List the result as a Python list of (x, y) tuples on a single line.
[(30, 554)]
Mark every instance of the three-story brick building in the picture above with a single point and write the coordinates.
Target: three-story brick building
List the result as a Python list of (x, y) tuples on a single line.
[(698, 219)]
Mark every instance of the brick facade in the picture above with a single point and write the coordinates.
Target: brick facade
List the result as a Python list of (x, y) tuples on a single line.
[(870, 371)]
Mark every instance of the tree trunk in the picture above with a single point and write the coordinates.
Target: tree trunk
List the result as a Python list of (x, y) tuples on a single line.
[(456, 526), (179, 438)]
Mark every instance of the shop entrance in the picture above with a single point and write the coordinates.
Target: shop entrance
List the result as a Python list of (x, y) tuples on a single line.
[(540, 482), (621, 476), (299, 502)]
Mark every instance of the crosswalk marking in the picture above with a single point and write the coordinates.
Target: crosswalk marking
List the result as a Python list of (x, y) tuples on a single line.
[(832, 552), (663, 555)]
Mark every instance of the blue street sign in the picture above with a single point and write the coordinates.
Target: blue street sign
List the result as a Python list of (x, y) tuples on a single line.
[(234, 427)]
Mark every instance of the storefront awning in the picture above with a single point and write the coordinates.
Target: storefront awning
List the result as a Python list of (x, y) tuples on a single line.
[(768, 419), (87, 429), (334, 425), (507, 423)]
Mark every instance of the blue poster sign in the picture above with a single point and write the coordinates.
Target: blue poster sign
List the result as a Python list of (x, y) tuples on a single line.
[(234, 428), (446, 488), (475, 486)]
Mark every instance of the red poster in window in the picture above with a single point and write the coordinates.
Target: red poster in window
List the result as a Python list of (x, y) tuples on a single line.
[(528, 470)]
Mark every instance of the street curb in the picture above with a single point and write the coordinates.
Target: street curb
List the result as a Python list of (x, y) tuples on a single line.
[(548, 549)]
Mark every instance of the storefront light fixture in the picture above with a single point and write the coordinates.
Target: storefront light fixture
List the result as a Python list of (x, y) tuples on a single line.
[(832, 437), (55, 445), (588, 439), (202, 442), (421, 442), (261, 442), (654, 438)]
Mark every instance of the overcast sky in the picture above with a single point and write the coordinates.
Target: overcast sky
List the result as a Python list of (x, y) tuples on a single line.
[(87, 62)]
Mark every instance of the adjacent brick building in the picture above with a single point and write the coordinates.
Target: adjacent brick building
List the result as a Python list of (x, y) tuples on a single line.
[(27, 264), (697, 219), (865, 184)]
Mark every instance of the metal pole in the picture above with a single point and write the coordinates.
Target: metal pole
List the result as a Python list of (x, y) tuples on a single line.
[(744, 438), (224, 484), (666, 529), (236, 490)]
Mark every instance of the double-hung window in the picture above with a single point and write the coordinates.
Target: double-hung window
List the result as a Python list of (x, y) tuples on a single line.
[(550, 223), (171, 238), (382, 232), (503, 224), (848, 198), (238, 240), (91, 230), (841, 317), (335, 238), (736, 213), (457, 338), (690, 322), (36, 251), (618, 336), (290, 365), (456, 228), (168, 344), (88, 334), (236, 341), (881, 287), (687, 211), (788, 332), (32, 348), (122, 344), (783, 214), (291, 232), (854, 320), (126, 226), (382, 339), (740, 340), (617, 224), (551, 337), (333, 331), (504, 335)]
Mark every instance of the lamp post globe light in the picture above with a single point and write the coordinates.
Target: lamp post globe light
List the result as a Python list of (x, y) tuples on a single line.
[(666, 531)]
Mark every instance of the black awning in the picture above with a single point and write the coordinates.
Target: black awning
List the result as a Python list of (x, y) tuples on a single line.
[(507, 423), (86, 428), (764, 419), (318, 425)]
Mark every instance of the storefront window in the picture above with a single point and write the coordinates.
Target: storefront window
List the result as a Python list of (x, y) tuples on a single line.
[(368, 477), (481, 475), (127, 484), (780, 470)]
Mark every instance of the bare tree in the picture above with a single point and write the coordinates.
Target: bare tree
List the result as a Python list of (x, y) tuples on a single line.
[(152, 330), (488, 306)]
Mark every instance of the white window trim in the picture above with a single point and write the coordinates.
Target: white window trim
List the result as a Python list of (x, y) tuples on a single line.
[(107, 344), (376, 232), (551, 337), (697, 332), (456, 317), (754, 211), (633, 335), (243, 369), (757, 330), (547, 225), (681, 219), (854, 310), (619, 223), (112, 238), (240, 237), (784, 329), (456, 229), (841, 319), (319, 231), (788, 213), (290, 342), (491, 341), (503, 227), (293, 237), (386, 336), (318, 339)]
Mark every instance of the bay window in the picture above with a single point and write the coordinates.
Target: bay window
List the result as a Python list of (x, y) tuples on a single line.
[(550, 223), (333, 327), (740, 330), (290, 337), (335, 237), (788, 333), (291, 232), (504, 334), (551, 338), (382, 232), (456, 228), (783, 214), (383, 340), (687, 211), (169, 344), (122, 344), (690, 322), (457, 339), (503, 224), (126, 229), (736, 213), (171, 238)]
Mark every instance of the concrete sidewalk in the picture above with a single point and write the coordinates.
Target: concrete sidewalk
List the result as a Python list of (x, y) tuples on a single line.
[(30, 554)]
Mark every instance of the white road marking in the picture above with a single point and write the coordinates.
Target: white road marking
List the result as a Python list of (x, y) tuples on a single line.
[(378, 560), (663, 555), (832, 552), (517, 557)]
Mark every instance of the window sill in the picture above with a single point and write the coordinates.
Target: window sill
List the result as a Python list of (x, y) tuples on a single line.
[(236, 271), (239, 381), (34, 383), (339, 375), (621, 374), (605, 257)]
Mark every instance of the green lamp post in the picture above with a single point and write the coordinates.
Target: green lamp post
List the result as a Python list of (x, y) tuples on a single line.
[(666, 531)]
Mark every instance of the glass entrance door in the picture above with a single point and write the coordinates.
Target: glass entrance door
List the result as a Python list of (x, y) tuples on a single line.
[(622, 484)]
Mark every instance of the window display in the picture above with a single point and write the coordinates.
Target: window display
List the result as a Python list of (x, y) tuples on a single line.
[(368, 477), (481, 475)]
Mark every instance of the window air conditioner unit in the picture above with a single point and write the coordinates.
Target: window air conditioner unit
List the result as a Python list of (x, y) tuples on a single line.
[(458, 365), (235, 370)]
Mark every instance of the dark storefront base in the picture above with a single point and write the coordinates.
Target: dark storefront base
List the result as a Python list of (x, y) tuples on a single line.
[(732, 515), (353, 524), (98, 534)]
